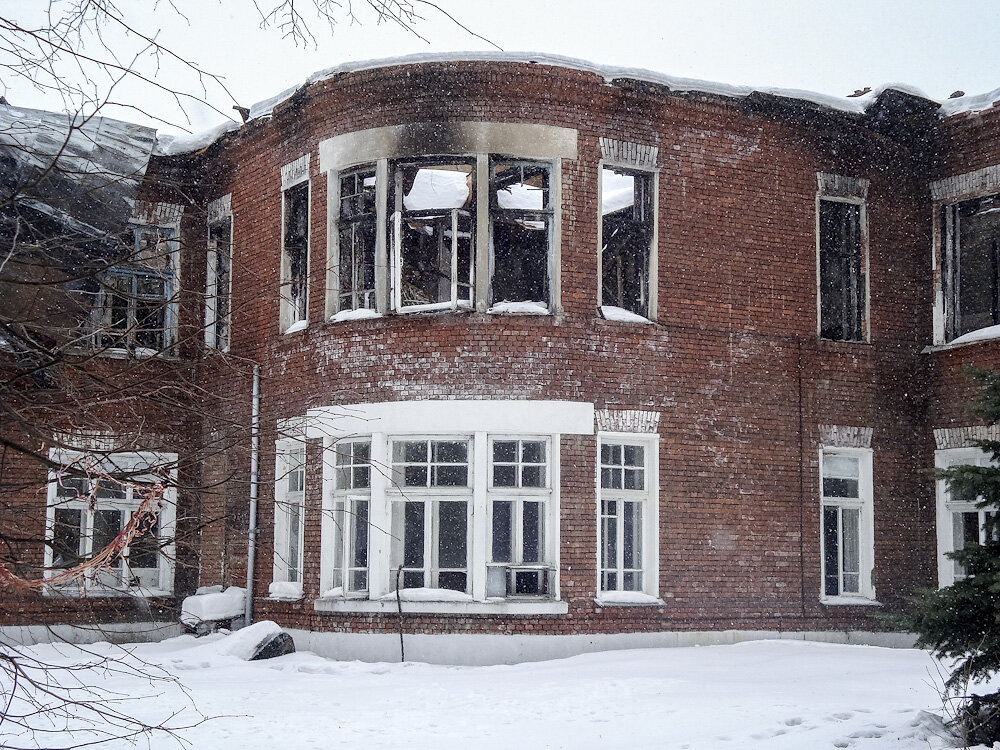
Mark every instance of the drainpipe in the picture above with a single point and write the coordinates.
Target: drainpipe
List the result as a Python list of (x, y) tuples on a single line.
[(254, 488)]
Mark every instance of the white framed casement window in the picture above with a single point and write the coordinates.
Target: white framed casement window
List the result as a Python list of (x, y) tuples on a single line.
[(433, 245), (847, 534), (289, 510), (355, 237), (219, 275), (842, 258), (348, 514), (294, 287), (520, 499), (431, 501), (627, 516), (88, 509), (959, 521), (627, 262)]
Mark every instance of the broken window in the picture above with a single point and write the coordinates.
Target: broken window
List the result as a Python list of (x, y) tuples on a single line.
[(295, 254), (289, 509), (971, 264), (356, 239), (521, 218), (430, 518), (351, 497), (846, 522), (219, 284), (626, 236), (842, 290), (433, 246), (519, 493), (134, 299)]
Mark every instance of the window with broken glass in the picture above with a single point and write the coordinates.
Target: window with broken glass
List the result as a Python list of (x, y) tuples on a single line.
[(431, 505), (350, 504), (519, 493), (356, 237), (970, 262), (521, 215), (87, 513), (135, 300), (289, 510), (432, 237), (842, 259), (624, 492), (846, 507), (626, 237), (295, 254), (219, 284)]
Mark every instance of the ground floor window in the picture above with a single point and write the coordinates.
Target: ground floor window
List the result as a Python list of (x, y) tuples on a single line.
[(959, 521), (847, 537), (92, 502), (289, 510)]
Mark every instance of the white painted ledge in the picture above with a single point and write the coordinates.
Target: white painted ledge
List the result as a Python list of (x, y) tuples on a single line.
[(490, 607), (849, 601)]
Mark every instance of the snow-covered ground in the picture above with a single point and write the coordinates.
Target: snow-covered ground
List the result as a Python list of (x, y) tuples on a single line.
[(765, 694)]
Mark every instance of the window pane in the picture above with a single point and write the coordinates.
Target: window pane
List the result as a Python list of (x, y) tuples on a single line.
[(452, 579), (359, 558), (294, 530), (978, 263), (831, 552), (143, 549), (502, 531), (504, 476), (450, 476), (840, 268), (71, 487), (840, 487), (415, 476), (634, 479), (109, 490), (411, 451), (505, 451), (609, 546), (413, 536), (452, 536), (533, 476), (632, 535), (531, 533), (66, 537), (841, 466), (533, 452), (449, 451), (107, 526), (851, 520)]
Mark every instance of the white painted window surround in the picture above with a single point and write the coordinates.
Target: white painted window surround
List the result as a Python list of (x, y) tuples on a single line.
[(477, 423), (958, 519), (847, 533), (289, 512)]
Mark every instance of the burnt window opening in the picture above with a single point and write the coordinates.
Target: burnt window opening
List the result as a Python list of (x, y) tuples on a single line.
[(433, 235), (521, 216), (217, 302), (971, 264), (356, 234), (296, 252), (841, 271), (132, 301), (626, 237)]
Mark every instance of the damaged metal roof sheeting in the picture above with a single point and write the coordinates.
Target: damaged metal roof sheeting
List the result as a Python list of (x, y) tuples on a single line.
[(84, 170)]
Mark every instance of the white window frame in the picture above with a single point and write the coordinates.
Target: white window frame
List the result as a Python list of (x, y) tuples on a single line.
[(337, 286), (289, 505), (340, 523), (946, 508), (652, 261), (866, 532), (864, 293), (290, 315), (214, 338), (124, 462), (649, 497)]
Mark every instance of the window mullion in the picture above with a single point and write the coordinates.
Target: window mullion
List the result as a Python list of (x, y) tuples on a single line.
[(479, 554), (454, 258)]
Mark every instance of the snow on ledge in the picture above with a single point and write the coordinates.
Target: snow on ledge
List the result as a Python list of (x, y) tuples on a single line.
[(621, 315), (285, 590), (615, 598), (520, 308), (359, 314), (220, 605), (982, 334), (428, 595), (177, 145), (296, 327)]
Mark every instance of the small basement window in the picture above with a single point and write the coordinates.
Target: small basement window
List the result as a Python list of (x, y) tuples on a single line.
[(627, 221), (521, 216)]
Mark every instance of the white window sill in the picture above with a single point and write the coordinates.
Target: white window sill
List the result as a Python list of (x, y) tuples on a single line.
[(621, 315), (633, 600), (362, 313), (489, 607), (849, 601), (72, 592), (296, 327), (283, 598), (520, 308), (137, 353)]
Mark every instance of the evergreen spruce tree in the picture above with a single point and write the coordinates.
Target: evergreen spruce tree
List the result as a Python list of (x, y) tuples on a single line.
[(962, 621)]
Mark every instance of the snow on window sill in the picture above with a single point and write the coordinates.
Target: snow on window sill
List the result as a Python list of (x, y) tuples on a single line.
[(463, 607), (621, 315), (436, 307), (297, 326), (362, 313), (990, 333), (73, 592), (520, 308), (283, 591), (849, 601), (627, 599), (139, 352)]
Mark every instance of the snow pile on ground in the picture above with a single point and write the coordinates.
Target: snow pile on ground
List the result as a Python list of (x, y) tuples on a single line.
[(764, 695), (213, 607)]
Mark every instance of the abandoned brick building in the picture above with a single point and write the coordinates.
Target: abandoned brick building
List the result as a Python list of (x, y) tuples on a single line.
[(551, 350)]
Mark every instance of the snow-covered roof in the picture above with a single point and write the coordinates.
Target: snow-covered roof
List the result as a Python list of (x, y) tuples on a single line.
[(852, 105)]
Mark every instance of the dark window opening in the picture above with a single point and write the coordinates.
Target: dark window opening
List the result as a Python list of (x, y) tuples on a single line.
[(521, 213), (356, 233), (971, 264), (626, 235), (841, 271), (296, 249), (220, 282)]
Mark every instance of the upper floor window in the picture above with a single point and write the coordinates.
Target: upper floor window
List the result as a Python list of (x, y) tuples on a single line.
[(356, 230), (627, 231), (521, 231), (970, 264), (847, 525), (842, 268), (219, 279), (294, 296), (135, 305)]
